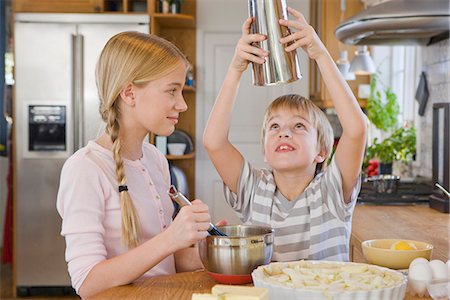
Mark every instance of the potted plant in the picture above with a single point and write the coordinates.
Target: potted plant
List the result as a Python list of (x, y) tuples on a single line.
[(382, 108), (400, 146)]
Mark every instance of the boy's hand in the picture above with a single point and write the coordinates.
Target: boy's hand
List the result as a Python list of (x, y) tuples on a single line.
[(245, 51), (305, 36)]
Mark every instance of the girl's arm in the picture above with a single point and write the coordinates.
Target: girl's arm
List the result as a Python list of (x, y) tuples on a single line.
[(189, 226), (350, 149), (226, 158)]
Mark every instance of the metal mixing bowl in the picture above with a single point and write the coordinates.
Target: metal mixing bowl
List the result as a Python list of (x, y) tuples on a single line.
[(243, 249)]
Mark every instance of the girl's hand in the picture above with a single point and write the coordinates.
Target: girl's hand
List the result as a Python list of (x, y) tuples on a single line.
[(305, 36), (222, 222), (245, 50), (190, 225)]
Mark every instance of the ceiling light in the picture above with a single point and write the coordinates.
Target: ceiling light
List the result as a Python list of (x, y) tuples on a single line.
[(344, 65), (362, 63)]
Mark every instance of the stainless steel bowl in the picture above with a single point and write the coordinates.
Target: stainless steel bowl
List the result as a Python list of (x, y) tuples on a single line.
[(243, 249), (384, 184)]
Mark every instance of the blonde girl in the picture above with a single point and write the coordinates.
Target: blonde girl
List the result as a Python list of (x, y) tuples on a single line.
[(116, 214)]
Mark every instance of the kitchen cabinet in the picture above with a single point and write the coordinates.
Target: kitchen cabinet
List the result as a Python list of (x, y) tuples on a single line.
[(325, 16), (180, 29), (80, 6)]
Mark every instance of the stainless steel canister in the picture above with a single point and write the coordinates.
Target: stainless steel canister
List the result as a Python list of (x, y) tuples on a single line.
[(281, 66)]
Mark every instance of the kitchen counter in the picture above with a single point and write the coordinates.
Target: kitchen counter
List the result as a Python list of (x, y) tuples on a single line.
[(369, 222), (419, 223), (180, 286)]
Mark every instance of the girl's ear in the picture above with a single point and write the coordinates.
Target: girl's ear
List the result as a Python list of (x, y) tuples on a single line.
[(320, 157), (128, 95)]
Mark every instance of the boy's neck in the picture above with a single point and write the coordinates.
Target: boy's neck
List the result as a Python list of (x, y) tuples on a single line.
[(292, 185)]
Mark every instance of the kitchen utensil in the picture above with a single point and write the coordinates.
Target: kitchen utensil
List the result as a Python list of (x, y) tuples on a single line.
[(379, 252), (183, 201), (180, 180), (231, 259), (384, 184), (280, 66), (443, 189)]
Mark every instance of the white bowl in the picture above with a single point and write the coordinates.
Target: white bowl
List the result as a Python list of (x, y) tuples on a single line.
[(279, 290), (176, 148)]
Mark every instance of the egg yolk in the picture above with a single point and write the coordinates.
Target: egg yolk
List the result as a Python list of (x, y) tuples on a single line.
[(402, 245)]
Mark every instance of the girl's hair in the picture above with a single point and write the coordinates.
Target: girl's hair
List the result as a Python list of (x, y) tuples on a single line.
[(130, 57), (315, 115)]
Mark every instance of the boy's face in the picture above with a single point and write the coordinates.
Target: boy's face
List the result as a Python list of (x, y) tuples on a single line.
[(290, 142)]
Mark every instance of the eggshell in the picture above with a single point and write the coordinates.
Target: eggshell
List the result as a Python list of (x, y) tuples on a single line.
[(439, 269), (418, 276), (419, 260)]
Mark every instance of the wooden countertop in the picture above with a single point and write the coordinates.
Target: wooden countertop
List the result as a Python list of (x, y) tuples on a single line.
[(180, 286), (369, 222), (418, 222)]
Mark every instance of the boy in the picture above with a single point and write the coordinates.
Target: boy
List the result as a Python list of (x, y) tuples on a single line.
[(311, 213)]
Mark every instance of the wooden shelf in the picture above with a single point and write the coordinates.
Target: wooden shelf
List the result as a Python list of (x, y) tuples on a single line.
[(180, 157), (174, 20), (190, 89)]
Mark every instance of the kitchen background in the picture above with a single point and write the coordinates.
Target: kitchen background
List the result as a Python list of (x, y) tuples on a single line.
[(218, 24)]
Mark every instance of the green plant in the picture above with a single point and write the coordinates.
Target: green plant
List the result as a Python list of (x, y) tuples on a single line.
[(400, 145), (382, 109)]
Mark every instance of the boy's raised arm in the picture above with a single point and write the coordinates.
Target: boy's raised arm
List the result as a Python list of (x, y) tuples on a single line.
[(226, 158), (350, 150)]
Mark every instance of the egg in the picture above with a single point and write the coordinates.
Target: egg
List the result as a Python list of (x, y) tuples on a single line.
[(438, 269), (448, 267), (418, 276), (419, 260), (403, 245)]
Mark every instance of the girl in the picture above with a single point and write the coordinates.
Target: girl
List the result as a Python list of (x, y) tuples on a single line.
[(117, 216)]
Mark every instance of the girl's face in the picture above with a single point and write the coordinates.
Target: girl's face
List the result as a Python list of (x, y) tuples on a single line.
[(159, 102), (290, 142)]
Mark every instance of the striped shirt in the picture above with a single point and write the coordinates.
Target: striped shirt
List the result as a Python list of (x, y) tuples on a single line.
[(316, 225)]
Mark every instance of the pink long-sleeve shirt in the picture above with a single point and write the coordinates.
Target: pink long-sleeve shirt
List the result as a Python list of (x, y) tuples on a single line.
[(88, 202)]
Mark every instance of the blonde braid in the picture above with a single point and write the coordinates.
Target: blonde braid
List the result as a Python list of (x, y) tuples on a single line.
[(138, 58), (130, 221)]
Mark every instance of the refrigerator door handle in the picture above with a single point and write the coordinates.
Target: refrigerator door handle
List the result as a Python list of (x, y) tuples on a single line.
[(77, 90)]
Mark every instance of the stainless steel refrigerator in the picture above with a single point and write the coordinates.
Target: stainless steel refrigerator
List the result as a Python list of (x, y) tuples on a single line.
[(56, 112)]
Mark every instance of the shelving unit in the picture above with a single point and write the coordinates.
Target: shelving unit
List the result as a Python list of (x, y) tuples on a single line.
[(180, 29)]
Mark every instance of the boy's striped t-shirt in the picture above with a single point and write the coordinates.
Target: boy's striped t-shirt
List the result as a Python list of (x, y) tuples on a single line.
[(316, 225)]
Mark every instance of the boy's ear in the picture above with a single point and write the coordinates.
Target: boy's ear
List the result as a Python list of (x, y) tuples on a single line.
[(128, 95)]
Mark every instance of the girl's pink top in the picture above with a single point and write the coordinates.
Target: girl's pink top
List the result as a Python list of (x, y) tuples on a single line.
[(88, 202)]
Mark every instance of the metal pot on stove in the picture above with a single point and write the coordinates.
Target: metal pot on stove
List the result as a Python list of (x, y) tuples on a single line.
[(384, 184)]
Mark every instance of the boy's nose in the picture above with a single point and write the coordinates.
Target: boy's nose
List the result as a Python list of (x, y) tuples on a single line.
[(285, 133)]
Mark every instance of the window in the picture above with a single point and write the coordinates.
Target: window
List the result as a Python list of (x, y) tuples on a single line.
[(399, 67)]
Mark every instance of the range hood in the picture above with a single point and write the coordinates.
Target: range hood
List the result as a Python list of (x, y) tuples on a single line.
[(402, 22)]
